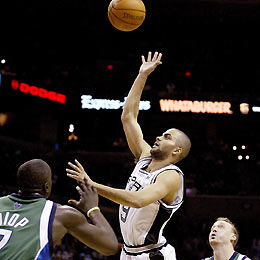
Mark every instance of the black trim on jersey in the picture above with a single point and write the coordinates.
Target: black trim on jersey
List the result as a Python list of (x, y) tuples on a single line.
[(177, 170), (144, 158), (156, 256), (182, 199), (147, 251), (50, 226), (138, 246), (162, 216), (143, 171), (31, 197), (235, 255), (231, 258)]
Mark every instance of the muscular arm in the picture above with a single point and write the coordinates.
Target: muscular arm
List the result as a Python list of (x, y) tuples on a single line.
[(165, 188), (129, 116), (99, 235)]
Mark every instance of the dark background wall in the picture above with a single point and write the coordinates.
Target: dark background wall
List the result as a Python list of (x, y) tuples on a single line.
[(65, 46)]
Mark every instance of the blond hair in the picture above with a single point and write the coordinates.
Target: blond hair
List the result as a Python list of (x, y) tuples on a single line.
[(234, 229)]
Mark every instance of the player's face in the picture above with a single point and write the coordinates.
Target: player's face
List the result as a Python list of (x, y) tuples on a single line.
[(221, 233), (164, 144)]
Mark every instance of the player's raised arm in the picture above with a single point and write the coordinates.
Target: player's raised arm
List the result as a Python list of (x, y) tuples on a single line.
[(129, 116), (98, 235)]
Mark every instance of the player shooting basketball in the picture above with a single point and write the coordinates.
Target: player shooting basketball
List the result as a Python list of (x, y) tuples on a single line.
[(155, 188)]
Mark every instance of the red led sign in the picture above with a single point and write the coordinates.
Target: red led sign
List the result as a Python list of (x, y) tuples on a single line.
[(41, 92)]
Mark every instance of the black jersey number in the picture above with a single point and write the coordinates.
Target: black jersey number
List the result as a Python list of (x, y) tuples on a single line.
[(124, 214), (135, 186)]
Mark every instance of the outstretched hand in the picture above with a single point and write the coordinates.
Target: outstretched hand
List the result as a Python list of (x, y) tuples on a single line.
[(151, 63), (88, 197), (78, 173)]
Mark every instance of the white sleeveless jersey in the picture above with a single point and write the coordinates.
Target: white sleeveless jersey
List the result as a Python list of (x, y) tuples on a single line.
[(144, 226)]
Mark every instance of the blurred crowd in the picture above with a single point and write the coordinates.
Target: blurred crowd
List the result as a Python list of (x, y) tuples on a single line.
[(212, 171)]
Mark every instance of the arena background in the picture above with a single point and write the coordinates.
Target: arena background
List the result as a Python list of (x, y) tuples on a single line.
[(210, 53)]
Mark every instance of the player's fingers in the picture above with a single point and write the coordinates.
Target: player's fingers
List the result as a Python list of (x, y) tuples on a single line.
[(74, 177), (82, 186), (86, 182), (79, 190), (72, 172), (149, 56), (73, 202), (94, 189), (85, 185), (79, 165), (143, 59), (74, 166), (159, 57), (155, 56)]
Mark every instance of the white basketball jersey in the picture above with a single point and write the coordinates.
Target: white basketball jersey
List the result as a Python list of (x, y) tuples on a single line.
[(144, 226)]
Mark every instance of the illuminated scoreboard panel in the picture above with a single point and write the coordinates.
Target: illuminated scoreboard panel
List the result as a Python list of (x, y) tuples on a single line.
[(43, 111)]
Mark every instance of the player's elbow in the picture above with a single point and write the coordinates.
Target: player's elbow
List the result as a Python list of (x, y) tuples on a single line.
[(125, 117), (111, 248), (138, 203), (110, 251), (128, 116), (133, 199)]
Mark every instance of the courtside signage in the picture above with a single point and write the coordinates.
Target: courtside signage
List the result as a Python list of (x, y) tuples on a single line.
[(212, 107), (256, 109), (87, 102), (40, 92)]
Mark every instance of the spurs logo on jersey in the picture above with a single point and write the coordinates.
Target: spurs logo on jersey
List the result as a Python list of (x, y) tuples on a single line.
[(144, 226)]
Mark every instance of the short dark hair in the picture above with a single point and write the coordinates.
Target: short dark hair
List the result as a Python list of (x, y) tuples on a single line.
[(33, 174)]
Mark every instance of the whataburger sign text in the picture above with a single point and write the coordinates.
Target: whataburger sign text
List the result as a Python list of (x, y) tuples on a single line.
[(213, 107)]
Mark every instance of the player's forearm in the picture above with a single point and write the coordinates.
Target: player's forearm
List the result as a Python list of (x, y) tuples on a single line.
[(108, 241), (131, 106), (119, 196)]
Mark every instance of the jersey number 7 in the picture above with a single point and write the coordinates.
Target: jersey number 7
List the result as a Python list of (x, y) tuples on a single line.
[(4, 237)]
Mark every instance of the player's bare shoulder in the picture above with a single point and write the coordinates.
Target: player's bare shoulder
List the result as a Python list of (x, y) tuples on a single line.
[(170, 176), (68, 215)]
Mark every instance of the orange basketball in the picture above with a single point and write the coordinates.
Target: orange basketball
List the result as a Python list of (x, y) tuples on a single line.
[(126, 15)]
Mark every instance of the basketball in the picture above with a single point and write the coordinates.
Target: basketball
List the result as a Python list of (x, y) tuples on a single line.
[(126, 15)]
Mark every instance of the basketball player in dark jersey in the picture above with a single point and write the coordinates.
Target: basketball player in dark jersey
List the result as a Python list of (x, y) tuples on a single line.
[(30, 224), (155, 188)]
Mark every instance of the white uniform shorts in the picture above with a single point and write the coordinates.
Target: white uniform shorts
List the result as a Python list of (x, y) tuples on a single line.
[(165, 253)]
